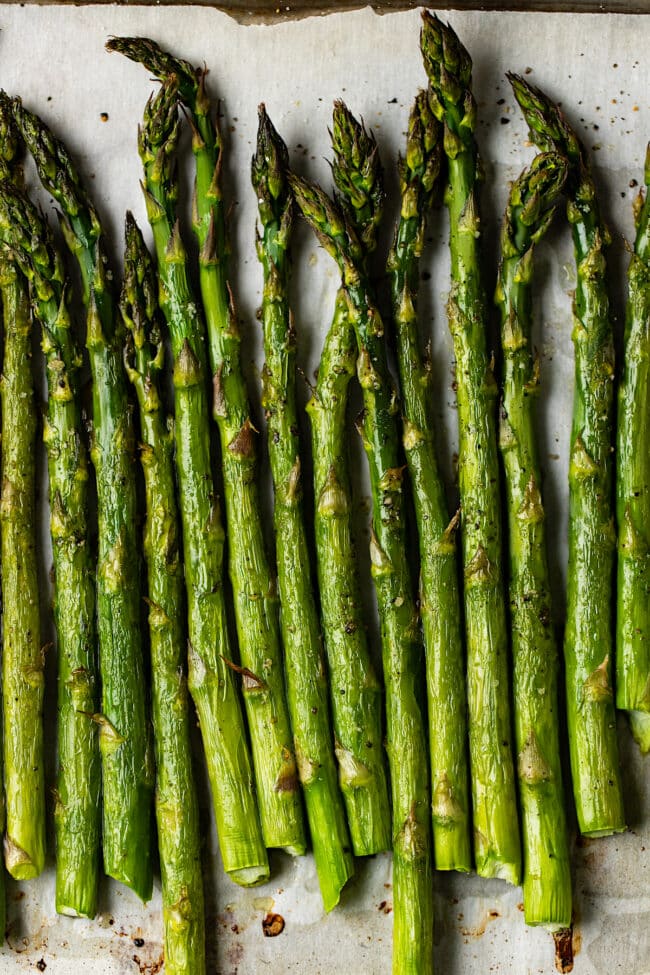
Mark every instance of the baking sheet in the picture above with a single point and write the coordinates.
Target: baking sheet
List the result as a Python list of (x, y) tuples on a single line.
[(595, 65)]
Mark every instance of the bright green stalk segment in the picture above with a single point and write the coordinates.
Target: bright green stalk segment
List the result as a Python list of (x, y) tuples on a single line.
[(588, 645), (356, 693), (23, 656), (307, 685), (211, 681), (405, 731), (496, 830), (356, 696), (77, 811), (177, 811), (439, 597), (256, 606), (124, 732), (633, 488), (23, 659), (547, 875)]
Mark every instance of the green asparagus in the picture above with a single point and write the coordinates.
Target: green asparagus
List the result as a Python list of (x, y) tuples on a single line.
[(177, 812), (439, 597), (592, 540), (405, 732), (254, 590), (78, 809), (356, 692), (307, 686), (633, 488), (23, 682), (547, 876), (496, 828), (210, 678), (124, 734)]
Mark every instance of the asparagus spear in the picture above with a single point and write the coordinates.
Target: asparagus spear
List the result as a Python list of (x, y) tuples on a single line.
[(23, 658), (547, 876), (307, 686), (588, 635), (124, 734), (211, 681), (356, 691), (633, 488), (23, 682), (78, 809), (405, 733), (439, 598), (254, 591), (496, 830), (177, 812)]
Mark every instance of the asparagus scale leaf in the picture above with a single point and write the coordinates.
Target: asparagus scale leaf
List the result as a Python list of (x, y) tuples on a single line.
[(633, 488), (439, 596), (210, 678), (177, 812), (496, 830), (588, 644), (307, 686), (405, 732), (547, 876)]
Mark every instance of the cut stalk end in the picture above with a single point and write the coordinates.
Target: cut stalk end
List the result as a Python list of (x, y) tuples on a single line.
[(640, 728), (250, 876)]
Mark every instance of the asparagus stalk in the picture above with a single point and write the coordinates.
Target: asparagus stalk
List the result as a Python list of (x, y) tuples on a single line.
[(547, 875), (211, 681), (439, 597), (78, 810), (588, 635), (356, 691), (254, 590), (496, 829), (23, 657), (307, 686), (633, 488), (124, 734), (177, 812), (405, 733)]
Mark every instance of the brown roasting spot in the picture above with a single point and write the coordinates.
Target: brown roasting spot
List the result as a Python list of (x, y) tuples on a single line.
[(150, 967), (272, 925), (567, 943)]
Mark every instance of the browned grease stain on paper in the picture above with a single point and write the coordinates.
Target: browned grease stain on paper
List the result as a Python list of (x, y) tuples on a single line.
[(479, 930), (568, 943), (272, 925), (150, 967)]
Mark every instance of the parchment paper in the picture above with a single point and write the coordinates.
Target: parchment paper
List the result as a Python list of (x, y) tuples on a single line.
[(598, 67)]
